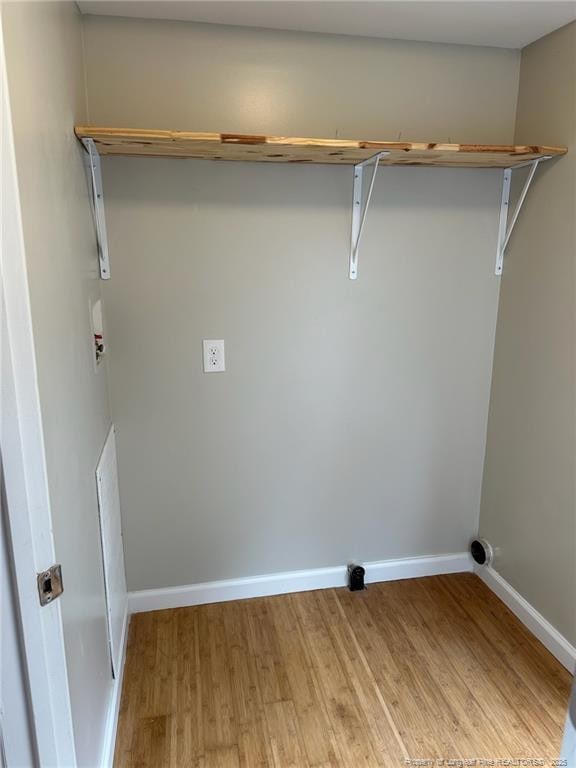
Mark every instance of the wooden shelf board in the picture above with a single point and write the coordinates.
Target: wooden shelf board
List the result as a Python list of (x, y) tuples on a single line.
[(280, 149)]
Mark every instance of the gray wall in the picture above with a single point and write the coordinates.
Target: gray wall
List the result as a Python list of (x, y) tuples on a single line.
[(203, 77), (43, 44), (351, 420), (528, 504)]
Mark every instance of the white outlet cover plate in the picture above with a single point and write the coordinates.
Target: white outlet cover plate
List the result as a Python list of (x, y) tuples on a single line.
[(213, 355)]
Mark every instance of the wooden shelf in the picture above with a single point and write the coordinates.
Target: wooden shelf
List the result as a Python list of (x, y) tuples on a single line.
[(279, 149)]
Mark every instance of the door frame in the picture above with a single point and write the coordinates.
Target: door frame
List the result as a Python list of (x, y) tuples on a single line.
[(25, 473)]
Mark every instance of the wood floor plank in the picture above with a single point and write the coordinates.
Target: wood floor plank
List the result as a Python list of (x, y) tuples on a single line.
[(404, 681), (138, 689), (272, 679), (532, 662), (355, 741), (512, 678), (218, 715), (187, 745), (285, 738), (225, 757), (253, 739), (425, 669), (467, 684), (389, 744), (314, 722)]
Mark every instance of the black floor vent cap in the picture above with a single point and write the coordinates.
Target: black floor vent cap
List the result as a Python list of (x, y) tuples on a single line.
[(356, 577)]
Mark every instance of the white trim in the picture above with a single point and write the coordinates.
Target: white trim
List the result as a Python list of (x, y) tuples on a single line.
[(293, 581), (112, 549), (530, 617), (23, 456), (109, 744)]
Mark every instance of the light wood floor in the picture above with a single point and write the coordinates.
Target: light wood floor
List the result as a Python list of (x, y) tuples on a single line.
[(421, 669)]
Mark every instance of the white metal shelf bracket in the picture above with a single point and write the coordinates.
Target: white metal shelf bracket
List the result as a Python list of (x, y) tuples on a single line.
[(504, 231), (98, 207), (359, 211), (359, 207)]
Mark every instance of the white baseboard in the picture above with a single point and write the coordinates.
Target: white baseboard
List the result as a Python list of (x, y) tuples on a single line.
[(529, 616), (293, 581), (114, 707)]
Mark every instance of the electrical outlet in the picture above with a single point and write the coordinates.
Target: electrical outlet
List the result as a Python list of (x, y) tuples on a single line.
[(214, 355)]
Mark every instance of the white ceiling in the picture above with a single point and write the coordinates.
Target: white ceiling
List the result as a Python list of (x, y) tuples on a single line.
[(511, 24)]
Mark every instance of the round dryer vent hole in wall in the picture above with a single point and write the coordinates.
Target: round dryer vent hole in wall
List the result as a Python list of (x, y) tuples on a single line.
[(481, 551)]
